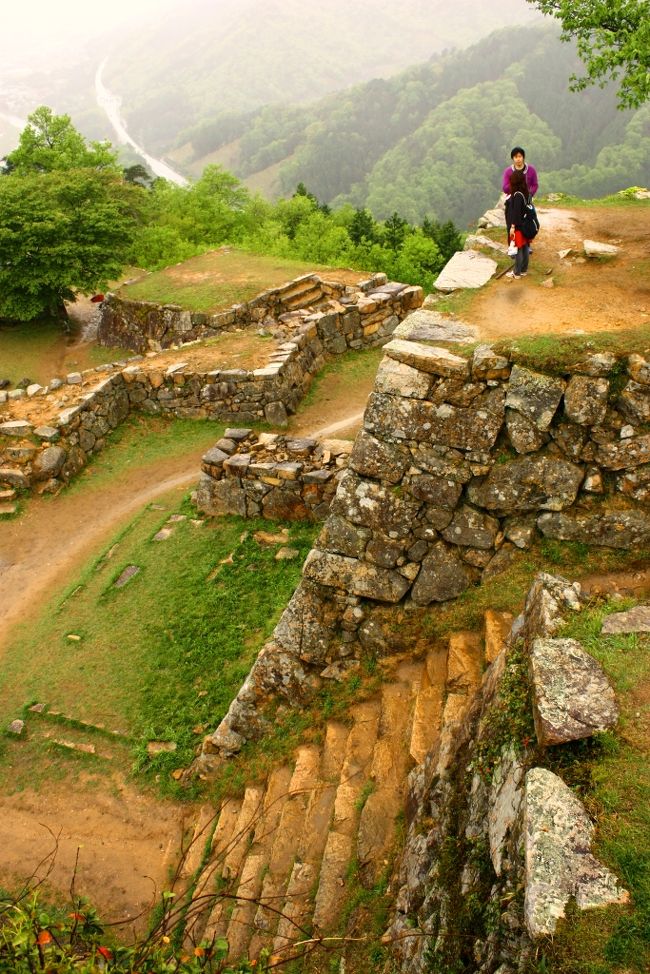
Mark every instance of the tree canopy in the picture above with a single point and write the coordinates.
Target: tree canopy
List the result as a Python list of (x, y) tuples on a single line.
[(613, 39), (67, 218)]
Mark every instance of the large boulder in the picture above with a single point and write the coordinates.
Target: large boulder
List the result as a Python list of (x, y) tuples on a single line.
[(443, 576), (466, 269), (535, 395), (572, 697), (559, 866)]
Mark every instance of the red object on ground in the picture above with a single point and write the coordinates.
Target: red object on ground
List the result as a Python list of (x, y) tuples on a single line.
[(96, 298)]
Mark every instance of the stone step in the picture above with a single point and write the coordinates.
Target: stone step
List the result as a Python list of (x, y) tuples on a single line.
[(203, 902), (465, 664), (341, 840), (427, 714), (297, 907), (291, 826), (497, 628), (388, 771), (233, 857), (241, 926), (203, 829)]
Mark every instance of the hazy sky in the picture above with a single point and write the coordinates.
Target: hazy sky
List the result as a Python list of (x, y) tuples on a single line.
[(28, 25)]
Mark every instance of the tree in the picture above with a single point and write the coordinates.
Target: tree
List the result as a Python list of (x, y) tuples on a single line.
[(394, 230), (67, 218), (362, 227), (613, 39), (50, 142), (60, 233)]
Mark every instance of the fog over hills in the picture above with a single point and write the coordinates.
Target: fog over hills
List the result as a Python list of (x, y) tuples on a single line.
[(206, 57)]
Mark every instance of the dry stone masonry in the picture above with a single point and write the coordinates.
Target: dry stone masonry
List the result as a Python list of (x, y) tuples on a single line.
[(143, 325), (460, 463), (45, 456)]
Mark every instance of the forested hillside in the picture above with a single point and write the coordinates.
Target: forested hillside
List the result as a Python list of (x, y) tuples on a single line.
[(433, 140), (209, 57)]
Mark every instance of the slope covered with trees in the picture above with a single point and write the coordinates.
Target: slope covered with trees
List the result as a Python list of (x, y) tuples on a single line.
[(433, 140)]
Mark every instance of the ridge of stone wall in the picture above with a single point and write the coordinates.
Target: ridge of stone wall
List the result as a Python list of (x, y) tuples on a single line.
[(145, 326), (45, 456), (460, 463), (489, 829)]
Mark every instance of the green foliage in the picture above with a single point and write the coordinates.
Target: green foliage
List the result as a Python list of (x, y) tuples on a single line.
[(35, 937), (61, 232), (66, 218), (613, 38), (50, 143)]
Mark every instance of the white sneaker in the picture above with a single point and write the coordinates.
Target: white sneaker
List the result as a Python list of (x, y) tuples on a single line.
[(513, 276)]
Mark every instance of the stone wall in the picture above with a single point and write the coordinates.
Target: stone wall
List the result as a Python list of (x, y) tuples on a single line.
[(460, 463), (46, 455), (497, 845), (271, 475), (143, 325)]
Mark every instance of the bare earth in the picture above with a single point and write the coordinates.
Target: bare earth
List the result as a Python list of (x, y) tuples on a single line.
[(588, 295), (126, 839)]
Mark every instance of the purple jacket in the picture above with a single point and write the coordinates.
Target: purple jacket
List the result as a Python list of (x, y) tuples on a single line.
[(531, 179)]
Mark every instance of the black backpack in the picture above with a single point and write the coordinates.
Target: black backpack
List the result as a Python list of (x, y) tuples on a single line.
[(530, 222)]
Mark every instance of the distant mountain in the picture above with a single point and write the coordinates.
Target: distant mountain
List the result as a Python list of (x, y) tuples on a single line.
[(433, 140), (213, 56)]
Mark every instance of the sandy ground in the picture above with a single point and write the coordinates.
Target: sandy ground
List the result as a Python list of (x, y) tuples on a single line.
[(126, 838), (588, 295)]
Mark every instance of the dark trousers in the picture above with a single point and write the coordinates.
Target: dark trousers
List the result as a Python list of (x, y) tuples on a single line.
[(521, 260)]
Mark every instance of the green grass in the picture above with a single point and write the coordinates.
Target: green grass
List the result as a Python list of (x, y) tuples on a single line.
[(553, 353), (612, 776), (40, 350), (166, 653), (624, 198), (350, 368), (218, 279)]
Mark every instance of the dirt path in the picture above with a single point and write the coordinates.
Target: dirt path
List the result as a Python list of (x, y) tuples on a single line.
[(587, 295)]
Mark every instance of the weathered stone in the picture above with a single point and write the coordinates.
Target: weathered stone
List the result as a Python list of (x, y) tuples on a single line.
[(639, 369), (343, 538), (16, 427), (47, 433), (443, 462), (472, 528), (505, 804), (548, 599), (355, 576), (634, 620), (16, 727), (629, 453), (371, 505), (585, 400), (617, 529), (593, 248), (572, 697), (431, 326), (13, 477), (442, 576), (636, 483), (371, 457), (527, 484), (634, 402), (217, 497), (473, 428), (572, 440), (534, 395), (48, 463), (398, 379), (523, 433), (467, 268), (214, 458), (597, 364), (275, 413), (384, 552), (487, 365), (129, 572), (500, 561), (558, 864), (521, 530), (435, 490), (282, 504), (425, 358)]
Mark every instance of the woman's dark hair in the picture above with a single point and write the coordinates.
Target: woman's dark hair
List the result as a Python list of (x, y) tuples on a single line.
[(518, 182)]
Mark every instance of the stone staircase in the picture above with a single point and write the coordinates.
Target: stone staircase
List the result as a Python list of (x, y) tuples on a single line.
[(273, 869)]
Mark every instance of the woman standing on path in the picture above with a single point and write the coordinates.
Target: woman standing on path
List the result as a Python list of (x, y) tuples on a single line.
[(515, 208)]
